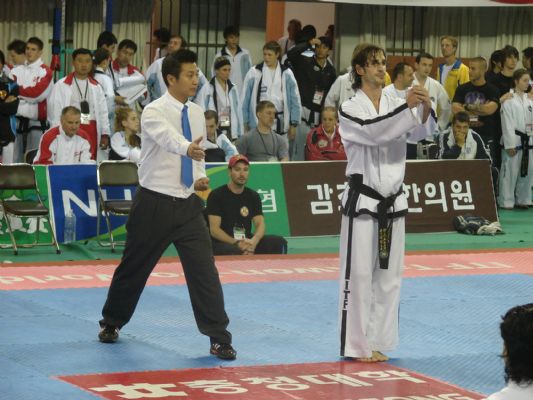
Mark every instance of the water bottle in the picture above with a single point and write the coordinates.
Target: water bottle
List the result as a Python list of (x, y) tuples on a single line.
[(69, 231)]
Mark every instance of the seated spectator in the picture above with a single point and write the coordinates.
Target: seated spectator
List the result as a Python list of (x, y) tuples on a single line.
[(218, 147), (8, 108), (232, 209), (261, 143), (460, 142), (125, 142), (324, 141), (517, 334), (66, 143), (222, 96)]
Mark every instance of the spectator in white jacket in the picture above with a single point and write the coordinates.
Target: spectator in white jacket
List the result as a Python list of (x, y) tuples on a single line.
[(128, 81), (35, 81), (80, 90), (125, 142), (274, 82), (240, 58), (222, 96), (66, 143), (154, 78)]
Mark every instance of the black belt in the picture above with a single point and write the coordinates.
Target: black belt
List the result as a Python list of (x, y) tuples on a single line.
[(162, 196), (357, 187), (524, 146)]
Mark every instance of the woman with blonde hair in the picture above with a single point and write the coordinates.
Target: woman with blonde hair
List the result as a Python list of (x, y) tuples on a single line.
[(125, 142)]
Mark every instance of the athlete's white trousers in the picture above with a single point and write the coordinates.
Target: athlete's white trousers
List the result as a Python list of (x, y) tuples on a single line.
[(369, 296), (514, 189)]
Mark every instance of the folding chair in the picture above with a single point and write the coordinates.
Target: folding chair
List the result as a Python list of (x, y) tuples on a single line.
[(114, 173), (22, 177)]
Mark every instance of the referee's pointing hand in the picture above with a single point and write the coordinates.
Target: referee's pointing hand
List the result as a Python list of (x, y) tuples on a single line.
[(195, 151)]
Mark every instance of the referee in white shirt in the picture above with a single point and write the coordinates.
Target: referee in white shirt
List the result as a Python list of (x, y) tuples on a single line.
[(166, 211)]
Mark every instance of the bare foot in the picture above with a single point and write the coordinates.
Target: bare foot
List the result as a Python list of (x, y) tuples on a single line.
[(377, 356)]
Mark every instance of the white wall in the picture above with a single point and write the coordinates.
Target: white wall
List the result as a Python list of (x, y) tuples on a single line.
[(318, 15)]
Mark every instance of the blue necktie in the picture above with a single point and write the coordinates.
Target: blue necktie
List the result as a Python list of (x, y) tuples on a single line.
[(186, 162)]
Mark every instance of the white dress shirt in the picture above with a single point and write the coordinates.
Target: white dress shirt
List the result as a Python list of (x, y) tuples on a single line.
[(164, 144)]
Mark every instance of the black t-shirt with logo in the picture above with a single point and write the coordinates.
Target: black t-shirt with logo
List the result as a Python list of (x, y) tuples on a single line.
[(470, 94), (234, 209)]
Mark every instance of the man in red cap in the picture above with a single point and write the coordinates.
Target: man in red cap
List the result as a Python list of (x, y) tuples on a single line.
[(232, 209)]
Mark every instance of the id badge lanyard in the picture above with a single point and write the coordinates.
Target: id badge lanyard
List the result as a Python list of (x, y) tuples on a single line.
[(84, 104)]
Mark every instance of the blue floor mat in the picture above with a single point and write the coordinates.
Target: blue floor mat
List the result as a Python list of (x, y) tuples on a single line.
[(448, 329)]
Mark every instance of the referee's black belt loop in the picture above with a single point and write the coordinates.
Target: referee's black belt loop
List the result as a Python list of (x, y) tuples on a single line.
[(161, 196), (524, 163), (357, 187)]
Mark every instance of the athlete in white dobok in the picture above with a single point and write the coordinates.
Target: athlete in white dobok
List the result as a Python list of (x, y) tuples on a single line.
[(516, 176), (374, 128)]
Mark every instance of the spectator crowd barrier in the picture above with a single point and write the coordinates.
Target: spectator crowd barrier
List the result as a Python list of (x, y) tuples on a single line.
[(299, 198)]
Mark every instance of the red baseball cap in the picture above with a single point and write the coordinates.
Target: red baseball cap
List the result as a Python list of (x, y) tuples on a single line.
[(237, 158)]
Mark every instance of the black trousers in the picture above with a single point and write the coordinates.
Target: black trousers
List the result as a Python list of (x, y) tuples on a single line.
[(156, 221), (269, 244)]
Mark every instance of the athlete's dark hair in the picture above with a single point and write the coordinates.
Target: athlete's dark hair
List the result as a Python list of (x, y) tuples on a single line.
[(517, 334), (361, 57)]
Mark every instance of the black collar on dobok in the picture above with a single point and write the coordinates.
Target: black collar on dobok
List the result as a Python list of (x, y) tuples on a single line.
[(385, 219)]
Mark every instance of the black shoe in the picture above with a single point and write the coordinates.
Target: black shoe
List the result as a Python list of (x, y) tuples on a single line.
[(223, 351), (108, 333)]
